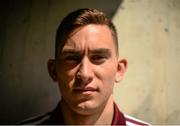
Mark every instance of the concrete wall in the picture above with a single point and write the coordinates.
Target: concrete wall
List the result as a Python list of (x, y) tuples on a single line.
[(26, 42), (149, 35)]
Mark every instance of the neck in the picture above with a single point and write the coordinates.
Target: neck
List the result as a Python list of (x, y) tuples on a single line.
[(102, 115)]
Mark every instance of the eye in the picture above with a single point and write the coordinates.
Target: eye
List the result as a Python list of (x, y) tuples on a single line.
[(98, 59), (72, 59)]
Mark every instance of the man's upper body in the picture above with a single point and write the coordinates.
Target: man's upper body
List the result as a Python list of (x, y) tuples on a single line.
[(86, 67)]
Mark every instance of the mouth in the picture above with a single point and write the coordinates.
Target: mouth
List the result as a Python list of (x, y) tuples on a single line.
[(85, 90)]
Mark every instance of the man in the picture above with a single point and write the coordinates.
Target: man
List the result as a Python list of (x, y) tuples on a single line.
[(86, 67)]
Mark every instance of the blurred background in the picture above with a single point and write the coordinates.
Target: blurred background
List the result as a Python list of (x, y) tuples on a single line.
[(149, 39)]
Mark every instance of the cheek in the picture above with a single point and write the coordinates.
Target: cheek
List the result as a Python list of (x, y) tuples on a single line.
[(107, 74), (109, 70), (66, 77), (105, 82)]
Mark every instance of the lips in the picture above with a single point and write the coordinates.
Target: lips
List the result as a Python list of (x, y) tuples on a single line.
[(85, 89)]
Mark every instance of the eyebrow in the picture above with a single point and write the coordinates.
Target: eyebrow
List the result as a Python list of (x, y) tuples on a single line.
[(94, 51), (70, 51), (101, 51)]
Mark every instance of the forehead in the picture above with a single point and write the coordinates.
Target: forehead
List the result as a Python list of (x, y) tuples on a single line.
[(90, 37)]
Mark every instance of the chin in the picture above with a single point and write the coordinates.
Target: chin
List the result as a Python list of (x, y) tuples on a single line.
[(86, 108)]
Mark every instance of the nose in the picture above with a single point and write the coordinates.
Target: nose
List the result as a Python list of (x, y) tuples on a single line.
[(85, 73)]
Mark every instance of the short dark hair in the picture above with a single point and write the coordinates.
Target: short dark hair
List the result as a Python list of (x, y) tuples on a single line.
[(79, 18)]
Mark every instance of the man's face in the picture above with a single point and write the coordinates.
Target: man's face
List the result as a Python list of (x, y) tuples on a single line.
[(87, 68)]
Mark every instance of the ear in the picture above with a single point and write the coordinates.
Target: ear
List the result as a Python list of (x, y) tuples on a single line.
[(121, 68), (52, 69)]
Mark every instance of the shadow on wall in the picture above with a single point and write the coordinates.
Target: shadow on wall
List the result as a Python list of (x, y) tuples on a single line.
[(26, 42)]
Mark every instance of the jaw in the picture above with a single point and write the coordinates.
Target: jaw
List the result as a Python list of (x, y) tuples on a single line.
[(84, 114)]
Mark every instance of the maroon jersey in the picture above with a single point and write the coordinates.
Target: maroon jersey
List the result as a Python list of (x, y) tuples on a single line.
[(56, 118)]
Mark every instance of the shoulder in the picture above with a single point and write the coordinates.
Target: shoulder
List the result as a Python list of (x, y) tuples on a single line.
[(51, 118), (131, 121), (39, 119)]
